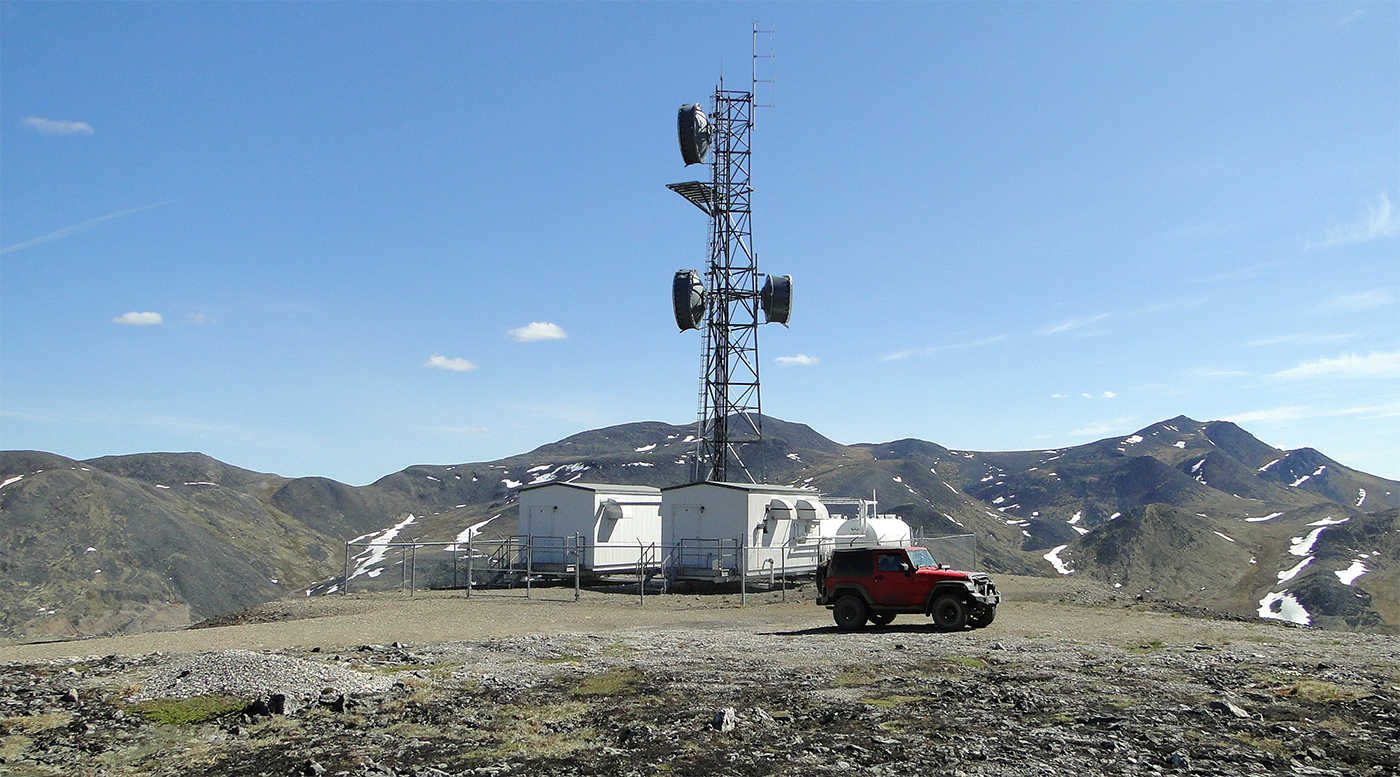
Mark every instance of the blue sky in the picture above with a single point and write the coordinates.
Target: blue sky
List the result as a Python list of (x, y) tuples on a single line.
[(341, 239)]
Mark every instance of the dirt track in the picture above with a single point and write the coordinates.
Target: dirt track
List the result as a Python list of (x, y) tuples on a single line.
[(1034, 608)]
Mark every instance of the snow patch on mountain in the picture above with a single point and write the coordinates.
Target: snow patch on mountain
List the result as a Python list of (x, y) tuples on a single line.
[(1289, 574), (1284, 607), (1302, 546), (1349, 575), (467, 534), (367, 561), (1058, 563)]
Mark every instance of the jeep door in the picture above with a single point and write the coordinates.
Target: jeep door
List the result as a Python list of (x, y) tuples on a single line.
[(893, 583)]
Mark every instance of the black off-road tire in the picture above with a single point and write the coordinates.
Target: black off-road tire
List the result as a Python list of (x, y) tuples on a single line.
[(982, 617), (849, 612), (882, 618), (949, 613)]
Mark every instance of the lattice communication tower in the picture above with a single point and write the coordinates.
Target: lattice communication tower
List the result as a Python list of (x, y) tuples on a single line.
[(728, 300)]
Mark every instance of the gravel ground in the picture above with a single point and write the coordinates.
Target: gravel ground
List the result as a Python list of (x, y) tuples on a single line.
[(1070, 678)]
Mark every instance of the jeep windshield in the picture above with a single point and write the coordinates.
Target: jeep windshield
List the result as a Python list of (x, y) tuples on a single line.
[(921, 558)]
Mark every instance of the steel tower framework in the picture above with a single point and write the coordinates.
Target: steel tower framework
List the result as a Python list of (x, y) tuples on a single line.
[(730, 408)]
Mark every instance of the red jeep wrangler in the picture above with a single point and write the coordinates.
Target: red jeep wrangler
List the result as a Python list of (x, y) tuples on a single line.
[(875, 584)]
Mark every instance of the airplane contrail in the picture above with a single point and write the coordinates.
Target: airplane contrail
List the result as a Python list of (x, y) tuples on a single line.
[(76, 228)]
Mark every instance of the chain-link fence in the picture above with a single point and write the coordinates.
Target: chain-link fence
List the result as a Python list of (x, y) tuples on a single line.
[(522, 564)]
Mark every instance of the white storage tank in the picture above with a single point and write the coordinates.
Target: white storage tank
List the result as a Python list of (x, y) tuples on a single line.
[(882, 531), (616, 524), (714, 530)]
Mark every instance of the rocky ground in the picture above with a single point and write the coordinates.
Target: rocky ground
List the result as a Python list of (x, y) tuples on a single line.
[(1074, 680)]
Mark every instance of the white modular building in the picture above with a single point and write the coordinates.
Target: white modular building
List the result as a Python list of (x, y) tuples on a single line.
[(613, 526), (717, 531)]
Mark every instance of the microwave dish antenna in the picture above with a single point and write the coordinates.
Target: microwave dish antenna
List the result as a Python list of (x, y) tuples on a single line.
[(693, 129), (727, 301)]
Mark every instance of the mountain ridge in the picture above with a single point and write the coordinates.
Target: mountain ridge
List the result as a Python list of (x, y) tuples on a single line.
[(161, 526)]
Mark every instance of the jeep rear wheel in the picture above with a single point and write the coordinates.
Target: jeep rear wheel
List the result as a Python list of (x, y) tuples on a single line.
[(982, 616), (882, 618), (849, 612), (949, 613)]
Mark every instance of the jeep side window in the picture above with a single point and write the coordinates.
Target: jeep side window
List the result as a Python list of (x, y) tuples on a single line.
[(854, 564), (890, 562)]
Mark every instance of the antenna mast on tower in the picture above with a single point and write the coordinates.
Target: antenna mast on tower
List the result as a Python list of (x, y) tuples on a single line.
[(728, 301)]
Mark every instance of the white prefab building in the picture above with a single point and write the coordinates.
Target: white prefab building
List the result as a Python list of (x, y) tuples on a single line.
[(613, 524), (716, 530)]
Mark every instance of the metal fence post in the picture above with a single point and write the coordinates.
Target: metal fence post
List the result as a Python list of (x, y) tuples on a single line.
[(529, 562), (413, 570), (743, 571), (578, 563), (469, 567)]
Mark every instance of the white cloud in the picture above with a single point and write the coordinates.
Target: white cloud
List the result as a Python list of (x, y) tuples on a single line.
[(139, 319), (1306, 338), (1059, 396), (1348, 365), (800, 359), (537, 330), (51, 127), (563, 411), (1301, 412), (1102, 427), (1209, 372), (444, 363), (1073, 323), (1105, 395), (1379, 220), (897, 355), (1109, 395), (1291, 413), (1363, 300)]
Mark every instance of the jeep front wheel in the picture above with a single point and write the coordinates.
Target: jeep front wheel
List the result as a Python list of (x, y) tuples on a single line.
[(982, 616), (849, 612), (949, 613)]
